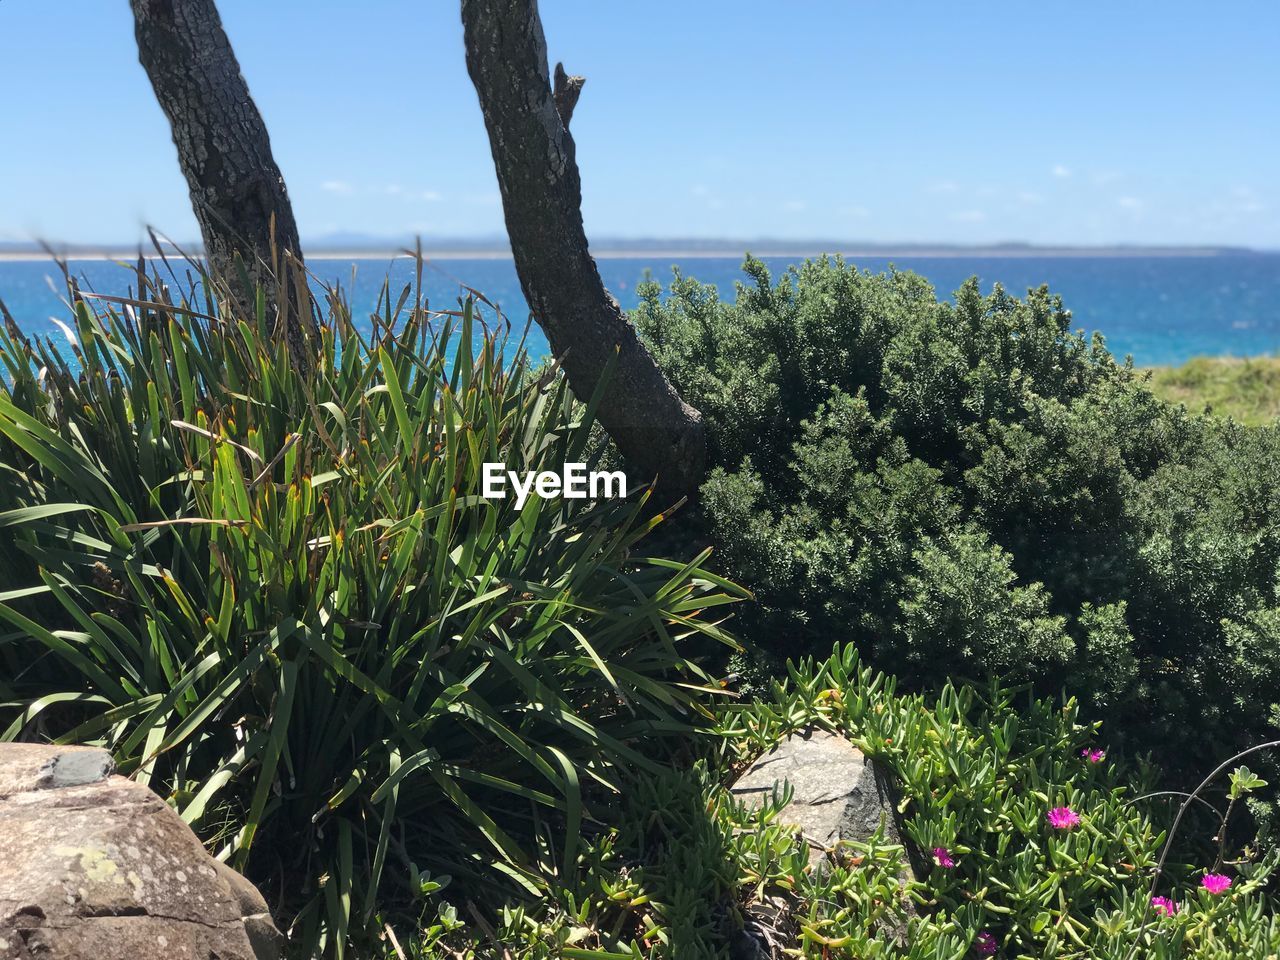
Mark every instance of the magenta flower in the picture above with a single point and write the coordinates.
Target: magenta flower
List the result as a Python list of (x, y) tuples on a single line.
[(1063, 818), (1216, 883), (1164, 906), (985, 945), (1093, 756), (942, 857)]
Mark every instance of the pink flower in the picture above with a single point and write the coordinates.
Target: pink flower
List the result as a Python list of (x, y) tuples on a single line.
[(1063, 818), (1216, 883), (985, 945), (1164, 906), (1093, 756), (942, 857)]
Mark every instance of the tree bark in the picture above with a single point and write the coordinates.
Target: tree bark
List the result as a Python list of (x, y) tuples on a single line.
[(237, 191), (528, 125)]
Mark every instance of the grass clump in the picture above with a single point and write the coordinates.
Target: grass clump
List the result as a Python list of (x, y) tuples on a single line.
[(1245, 389), (277, 597)]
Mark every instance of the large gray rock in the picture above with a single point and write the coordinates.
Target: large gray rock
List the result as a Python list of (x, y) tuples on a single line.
[(97, 867), (839, 793)]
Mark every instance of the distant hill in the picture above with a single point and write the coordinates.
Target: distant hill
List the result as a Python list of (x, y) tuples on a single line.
[(348, 243)]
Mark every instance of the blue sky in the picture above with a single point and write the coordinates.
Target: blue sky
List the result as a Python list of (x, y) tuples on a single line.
[(1047, 122)]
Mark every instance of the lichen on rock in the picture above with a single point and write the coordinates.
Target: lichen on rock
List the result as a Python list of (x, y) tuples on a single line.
[(93, 865)]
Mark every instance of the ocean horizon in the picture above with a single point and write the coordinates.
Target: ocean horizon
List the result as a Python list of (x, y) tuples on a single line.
[(1160, 309)]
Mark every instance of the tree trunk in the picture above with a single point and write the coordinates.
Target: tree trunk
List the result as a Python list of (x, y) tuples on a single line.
[(237, 192), (528, 126)]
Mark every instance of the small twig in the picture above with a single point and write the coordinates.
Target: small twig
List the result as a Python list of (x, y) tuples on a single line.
[(566, 91), (153, 524), (288, 445), (1222, 834), (156, 305), (192, 428), (481, 922), (395, 944), (1178, 793), (1168, 842)]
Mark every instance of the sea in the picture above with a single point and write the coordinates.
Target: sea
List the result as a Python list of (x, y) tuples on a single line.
[(1157, 309)]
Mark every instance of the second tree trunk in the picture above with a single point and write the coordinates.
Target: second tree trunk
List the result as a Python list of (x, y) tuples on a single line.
[(658, 433)]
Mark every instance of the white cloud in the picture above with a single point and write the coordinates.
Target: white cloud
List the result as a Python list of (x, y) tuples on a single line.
[(429, 195), (1129, 203), (1029, 199), (1246, 201), (700, 190), (1240, 203), (943, 186), (794, 206), (1061, 171), (969, 216), (336, 186), (1103, 177)]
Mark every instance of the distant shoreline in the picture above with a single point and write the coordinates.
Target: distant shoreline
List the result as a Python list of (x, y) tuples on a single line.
[(696, 253)]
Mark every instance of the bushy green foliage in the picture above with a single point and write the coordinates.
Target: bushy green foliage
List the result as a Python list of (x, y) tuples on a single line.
[(688, 872), (970, 488), (276, 595)]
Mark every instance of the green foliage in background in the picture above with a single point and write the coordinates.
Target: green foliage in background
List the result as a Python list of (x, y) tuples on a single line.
[(1246, 389), (278, 599), (969, 488), (690, 874)]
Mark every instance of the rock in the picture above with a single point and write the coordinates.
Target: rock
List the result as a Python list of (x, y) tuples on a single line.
[(838, 793), (97, 867)]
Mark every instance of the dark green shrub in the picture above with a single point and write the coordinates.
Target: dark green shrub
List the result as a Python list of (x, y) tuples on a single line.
[(279, 599), (971, 488)]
